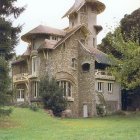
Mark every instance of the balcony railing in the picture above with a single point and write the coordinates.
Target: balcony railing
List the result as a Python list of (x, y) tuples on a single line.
[(100, 74), (20, 77)]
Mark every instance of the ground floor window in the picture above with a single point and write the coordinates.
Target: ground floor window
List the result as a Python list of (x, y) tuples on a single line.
[(67, 87), (20, 95), (35, 89)]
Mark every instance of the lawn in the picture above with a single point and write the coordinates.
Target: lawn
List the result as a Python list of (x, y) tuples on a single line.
[(25, 124)]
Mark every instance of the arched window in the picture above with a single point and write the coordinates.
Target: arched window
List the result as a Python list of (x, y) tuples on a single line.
[(86, 67), (67, 87)]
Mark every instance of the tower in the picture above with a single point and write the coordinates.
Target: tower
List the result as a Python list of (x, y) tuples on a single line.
[(85, 12)]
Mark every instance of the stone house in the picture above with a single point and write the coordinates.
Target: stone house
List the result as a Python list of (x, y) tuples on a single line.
[(71, 56)]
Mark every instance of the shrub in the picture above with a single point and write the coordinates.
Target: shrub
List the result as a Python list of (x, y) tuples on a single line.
[(52, 95), (5, 112), (101, 110), (34, 107)]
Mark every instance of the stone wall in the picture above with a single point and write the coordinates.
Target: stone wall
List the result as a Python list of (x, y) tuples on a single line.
[(86, 83)]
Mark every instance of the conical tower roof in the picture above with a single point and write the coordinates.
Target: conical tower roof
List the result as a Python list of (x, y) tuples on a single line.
[(79, 3)]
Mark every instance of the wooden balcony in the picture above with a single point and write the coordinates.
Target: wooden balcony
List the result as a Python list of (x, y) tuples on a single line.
[(99, 74), (23, 77)]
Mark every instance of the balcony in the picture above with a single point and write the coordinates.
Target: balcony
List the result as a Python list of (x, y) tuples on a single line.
[(99, 74), (23, 77)]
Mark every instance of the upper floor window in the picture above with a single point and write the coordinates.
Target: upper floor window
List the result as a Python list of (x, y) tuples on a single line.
[(86, 67), (110, 87), (74, 63), (100, 86), (67, 88), (54, 38), (94, 42), (35, 65)]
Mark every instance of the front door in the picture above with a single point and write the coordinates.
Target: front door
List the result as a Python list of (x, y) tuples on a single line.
[(20, 95), (85, 111)]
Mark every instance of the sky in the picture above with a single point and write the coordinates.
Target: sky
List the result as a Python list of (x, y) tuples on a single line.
[(50, 12)]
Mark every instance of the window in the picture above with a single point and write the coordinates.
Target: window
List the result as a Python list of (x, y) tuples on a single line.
[(67, 88), (93, 42), (72, 23), (20, 95), (74, 63), (54, 38), (86, 67), (100, 87), (35, 65), (110, 87), (35, 89), (83, 41)]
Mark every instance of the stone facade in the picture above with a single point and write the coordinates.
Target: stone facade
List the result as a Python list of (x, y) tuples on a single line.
[(66, 55)]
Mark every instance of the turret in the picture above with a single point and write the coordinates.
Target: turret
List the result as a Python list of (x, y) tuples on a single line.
[(85, 12)]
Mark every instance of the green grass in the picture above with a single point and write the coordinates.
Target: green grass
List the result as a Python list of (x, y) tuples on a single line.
[(25, 124)]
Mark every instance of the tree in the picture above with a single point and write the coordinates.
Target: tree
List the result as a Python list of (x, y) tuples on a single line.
[(52, 95), (130, 26), (126, 68), (123, 45), (8, 41), (8, 33), (130, 29)]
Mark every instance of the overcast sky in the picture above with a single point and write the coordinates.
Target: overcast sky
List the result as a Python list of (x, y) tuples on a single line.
[(49, 12)]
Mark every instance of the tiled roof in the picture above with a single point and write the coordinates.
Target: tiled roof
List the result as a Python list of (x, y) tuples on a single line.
[(79, 3), (71, 32), (41, 29), (48, 44), (100, 57), (18, 61)]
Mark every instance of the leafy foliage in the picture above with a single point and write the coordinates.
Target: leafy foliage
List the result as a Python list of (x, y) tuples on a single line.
[(123, 45), (52, 95), (130, 29), (127, 68), (8, 41), (8, 33)]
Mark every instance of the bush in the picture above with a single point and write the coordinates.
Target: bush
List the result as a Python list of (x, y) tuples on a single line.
[(5, 112), (34, 107), (101, 110), (52, 95)]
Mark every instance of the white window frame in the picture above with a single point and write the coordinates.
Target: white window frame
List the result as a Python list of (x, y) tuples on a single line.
[(35, 89), (35, 65), (20, 92), (110, 87), (67, 87), (100, 86)]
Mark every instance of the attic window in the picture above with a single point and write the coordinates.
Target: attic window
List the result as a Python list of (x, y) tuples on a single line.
[(86, 67)]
